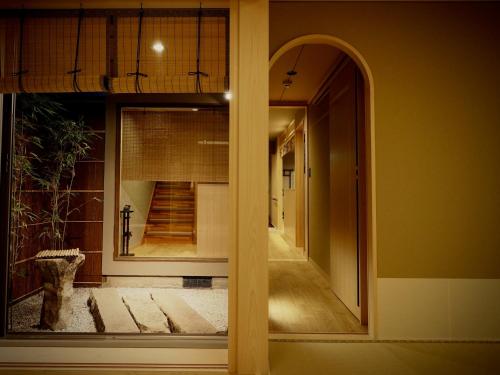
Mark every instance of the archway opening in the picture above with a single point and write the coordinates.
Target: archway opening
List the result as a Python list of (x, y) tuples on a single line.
[(320, 188)]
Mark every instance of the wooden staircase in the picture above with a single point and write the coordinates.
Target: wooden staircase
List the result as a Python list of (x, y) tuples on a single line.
[(171, 214)]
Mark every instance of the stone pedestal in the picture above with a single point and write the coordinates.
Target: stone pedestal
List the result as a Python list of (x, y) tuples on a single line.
[(58, 275)]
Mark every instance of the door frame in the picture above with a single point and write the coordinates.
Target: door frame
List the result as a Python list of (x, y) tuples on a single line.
[(370, 186)]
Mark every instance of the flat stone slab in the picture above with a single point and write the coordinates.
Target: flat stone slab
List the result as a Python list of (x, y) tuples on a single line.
[(181, 317), (109, 312), (146, 312)]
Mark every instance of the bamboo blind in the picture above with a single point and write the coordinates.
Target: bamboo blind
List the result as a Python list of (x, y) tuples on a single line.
[(168, 72), (48, 50), (175, 146)]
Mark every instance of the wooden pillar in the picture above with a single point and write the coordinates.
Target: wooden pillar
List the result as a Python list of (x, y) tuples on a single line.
[(299, 186), (248, 269)]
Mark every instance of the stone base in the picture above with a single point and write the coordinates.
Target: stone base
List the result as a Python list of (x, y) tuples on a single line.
[(58, 275)]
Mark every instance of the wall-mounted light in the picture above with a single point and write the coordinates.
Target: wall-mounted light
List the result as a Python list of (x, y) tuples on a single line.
[(228, 95), (215, 143), (158, 47)]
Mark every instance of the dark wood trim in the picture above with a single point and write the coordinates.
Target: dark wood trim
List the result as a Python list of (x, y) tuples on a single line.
[(277, 103), (27, 295), (362, 148), (118, 156), (325, 86), (86, 284), (120, 105), (124, 12), (8, 109), (112, 48), (171, 259)]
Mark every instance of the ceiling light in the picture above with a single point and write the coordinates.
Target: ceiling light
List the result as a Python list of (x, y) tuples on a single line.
[(228, 95), (287, 83), (158, 47), (194, 109)]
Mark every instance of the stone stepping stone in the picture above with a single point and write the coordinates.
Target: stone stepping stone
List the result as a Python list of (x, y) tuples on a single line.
[(109, 312), (145, 312), (181, 316)]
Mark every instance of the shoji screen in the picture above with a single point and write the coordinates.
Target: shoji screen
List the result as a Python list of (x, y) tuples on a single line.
[(52, 54), (175, 145)]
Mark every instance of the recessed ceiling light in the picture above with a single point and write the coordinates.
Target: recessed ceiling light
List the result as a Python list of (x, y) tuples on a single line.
[(228, 95), (158, 47)]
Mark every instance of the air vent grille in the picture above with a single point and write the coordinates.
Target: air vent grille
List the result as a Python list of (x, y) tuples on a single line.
[(196, 282)]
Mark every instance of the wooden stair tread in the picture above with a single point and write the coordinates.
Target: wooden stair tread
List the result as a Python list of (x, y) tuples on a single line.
[(173, 220), (168, 233), (171, 214)]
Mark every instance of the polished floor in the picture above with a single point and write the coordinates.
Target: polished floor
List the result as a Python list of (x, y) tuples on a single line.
[(165, 250), (279, 249), (347, 358), (300, 299), (384, 358)]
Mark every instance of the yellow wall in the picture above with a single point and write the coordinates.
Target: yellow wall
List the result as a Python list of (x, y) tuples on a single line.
[(437, 127), (319, 185)]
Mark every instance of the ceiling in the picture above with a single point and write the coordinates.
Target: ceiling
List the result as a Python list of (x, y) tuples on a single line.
[(280, 118), (312, 62)]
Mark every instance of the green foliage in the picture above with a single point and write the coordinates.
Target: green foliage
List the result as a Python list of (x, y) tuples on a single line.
[(26, 146), (49, 143)]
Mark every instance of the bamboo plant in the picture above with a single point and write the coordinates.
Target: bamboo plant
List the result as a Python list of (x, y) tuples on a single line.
[(61, 142)]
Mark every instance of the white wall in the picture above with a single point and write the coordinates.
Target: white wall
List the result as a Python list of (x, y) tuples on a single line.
[(138, 195)]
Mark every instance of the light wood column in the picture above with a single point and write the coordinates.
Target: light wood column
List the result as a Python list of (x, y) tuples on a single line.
[(248, 268), (299, 186)]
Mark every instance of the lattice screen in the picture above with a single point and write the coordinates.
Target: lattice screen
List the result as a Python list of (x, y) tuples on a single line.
[(38, 51), (175, 146), (169, 70), (44, 59)]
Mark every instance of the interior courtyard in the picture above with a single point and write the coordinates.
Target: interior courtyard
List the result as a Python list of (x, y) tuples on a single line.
[(249, 187)]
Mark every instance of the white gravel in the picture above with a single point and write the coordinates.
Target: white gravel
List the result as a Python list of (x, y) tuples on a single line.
[(209, 303), (26, 314)]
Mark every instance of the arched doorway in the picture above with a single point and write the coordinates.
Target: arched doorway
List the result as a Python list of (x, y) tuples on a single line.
[(338, 119)]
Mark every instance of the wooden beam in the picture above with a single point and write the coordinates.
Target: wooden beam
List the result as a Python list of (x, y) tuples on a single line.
[(276, 103), (248, 278)]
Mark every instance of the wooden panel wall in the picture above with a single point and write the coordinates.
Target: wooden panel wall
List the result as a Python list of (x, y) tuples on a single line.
[(344, 189), (290, 220), (212, 220), (319, 184), (169, 146), (299, 186), (84, 229)]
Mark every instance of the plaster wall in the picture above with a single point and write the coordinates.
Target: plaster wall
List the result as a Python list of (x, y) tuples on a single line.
[(138, 195), (436, 88)]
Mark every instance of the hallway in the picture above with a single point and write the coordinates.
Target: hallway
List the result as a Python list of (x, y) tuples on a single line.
[(300, 300)]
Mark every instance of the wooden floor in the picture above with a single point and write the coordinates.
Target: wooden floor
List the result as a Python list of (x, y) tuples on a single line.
[(165, 250), (279, 249), (345, 358), (300, 299)]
